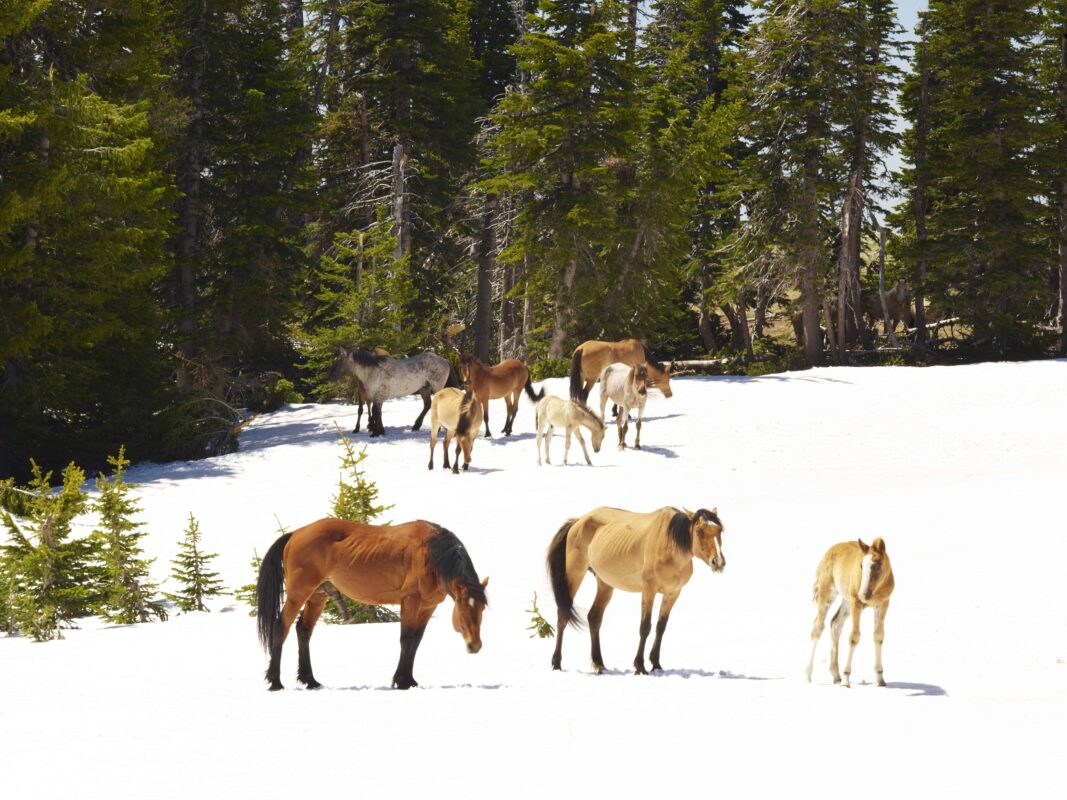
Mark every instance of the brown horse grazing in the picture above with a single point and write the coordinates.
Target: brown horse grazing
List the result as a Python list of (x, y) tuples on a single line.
[(592, 357), (507, 379), (648, 553), (863, 576), (415, 564), (460, 414)]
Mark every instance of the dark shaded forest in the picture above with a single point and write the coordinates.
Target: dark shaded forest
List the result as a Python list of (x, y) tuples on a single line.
[(200, 201)]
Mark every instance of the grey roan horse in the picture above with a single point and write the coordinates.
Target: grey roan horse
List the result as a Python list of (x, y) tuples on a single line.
[(384, 378)]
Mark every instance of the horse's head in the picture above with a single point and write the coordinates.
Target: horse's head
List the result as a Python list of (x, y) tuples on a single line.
[(874, 568), (707, 531), (596, 433), (659, 377), (467, 613), (639, 377), (339, 368)]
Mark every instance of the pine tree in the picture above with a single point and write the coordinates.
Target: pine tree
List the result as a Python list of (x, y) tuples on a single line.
[(192, 574), (130, 594), (51, 577), (247, 593)]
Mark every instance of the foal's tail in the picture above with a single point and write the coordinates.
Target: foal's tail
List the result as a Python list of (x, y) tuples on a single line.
[(530, 392), (463, 427), (270, 592), (576, 376), (557, 571)]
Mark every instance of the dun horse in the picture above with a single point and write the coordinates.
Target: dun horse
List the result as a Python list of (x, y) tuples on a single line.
[(648, 553), (863, 576), (507, 379), (555, 412), (416, 564), (460, 414), (626, 387), (590, 359), (384, 378)]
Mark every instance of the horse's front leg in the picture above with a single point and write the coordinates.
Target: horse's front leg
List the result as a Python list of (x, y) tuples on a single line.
[(853, 639), (640, 413), (879, 637), (448, 441), (374, 419), (837, 624), (359, 413), (647, 598), (665, 606), (581, 441), (412, 625), (485, 413), (622, 423)]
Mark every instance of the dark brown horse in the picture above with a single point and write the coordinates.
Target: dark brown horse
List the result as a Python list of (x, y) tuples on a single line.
[(415, 565), (507, 379), (592, 357)]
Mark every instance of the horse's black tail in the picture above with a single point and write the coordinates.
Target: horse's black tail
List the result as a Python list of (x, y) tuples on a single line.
[(466, 405), (270, 592), (576, 376), (530, 392), (453, 381), (557, 572)]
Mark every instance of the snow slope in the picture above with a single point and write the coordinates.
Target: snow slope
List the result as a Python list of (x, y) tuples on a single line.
[(961, 469)]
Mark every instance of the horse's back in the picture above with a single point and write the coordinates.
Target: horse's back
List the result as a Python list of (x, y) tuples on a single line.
[(619, 548)]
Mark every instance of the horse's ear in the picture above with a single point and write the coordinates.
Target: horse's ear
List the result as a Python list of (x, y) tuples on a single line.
[(863, 546), (879, 546), (715, 511), (485, 582)]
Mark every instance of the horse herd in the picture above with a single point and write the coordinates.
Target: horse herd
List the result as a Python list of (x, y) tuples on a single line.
[(417, 564)]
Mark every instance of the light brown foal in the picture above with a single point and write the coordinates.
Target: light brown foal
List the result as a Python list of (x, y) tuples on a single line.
[(862, 575)]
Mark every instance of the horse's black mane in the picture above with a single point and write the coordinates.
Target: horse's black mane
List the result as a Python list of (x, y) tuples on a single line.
[(651, 360), (450, 561), (681, 532), (710, 516), (366, 358), (470, 358)]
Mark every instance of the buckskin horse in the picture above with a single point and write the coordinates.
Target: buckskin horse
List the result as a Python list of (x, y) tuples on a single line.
[(507, 379), (384, 378), (416, 565), (862, 575), (591, 357), (647, 553), (460, 414)]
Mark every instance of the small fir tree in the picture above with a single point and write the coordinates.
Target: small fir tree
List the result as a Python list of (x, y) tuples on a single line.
[(192, 574), (247, 593), (540, 626), (50, 578), (130, 594)]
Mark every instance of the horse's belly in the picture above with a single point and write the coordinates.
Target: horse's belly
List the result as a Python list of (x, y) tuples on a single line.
[(622, 573), (369, 587)]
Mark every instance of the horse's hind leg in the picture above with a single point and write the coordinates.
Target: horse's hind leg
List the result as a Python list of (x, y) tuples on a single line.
[(879, 637), (295, 598), (595, 617), (837, 624), (425, 394), (665, 606), (823, 602), (647, 598), (304, 626), (448, 441)]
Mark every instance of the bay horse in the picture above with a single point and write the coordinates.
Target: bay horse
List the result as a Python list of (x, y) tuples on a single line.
[(626, 387), (507, 379), (384, 378), (554, 412), (416, 565), (647, 553), (460, 414), (862, 575), (591, 357)]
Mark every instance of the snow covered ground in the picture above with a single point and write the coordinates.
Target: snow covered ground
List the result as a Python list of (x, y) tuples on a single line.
[(962, 470)]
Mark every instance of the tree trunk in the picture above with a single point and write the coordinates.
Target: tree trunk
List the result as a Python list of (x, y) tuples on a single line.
[(1063, 196), (564, 312), (810, 258), (486, 265), (707, 333), (881, 288), (920, 199), (759, 319), (837, 351), (737, 336)]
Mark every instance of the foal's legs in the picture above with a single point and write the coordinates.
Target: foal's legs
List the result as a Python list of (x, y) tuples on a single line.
[(455, 461), (879, 637), (622, 422), (823, 600), (665, 606), (648, 595), (581, 441), (640, 413), (434, 427), (853, 639), (837, 624), (448, 441), (595, 617), (304, 626)]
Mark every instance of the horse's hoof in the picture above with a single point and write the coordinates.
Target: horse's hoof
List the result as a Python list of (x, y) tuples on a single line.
[(640, 671), (881, 681), (466, 467), (311, 684), (656, 667), (275, 687)]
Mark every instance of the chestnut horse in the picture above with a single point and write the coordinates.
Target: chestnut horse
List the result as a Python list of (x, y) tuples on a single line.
[(460, 414), (592, 357), (863, 576), (648, 553), (507, 379), (416, 564)]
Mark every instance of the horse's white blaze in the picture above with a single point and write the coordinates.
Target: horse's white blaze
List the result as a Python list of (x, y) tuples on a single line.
[(470, 602), (865, 580), (718, 548)]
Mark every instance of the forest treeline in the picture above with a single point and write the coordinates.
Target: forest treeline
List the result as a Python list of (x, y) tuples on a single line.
[(200, 200)]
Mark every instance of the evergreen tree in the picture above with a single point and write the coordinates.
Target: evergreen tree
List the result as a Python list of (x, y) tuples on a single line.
[(191, 572), (986, 246), (247, 593), (84, 219), (51, 577), (130, 595)]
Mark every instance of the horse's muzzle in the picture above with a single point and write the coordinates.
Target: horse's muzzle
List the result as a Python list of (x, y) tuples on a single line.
[(718, 564), (473, 647)]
